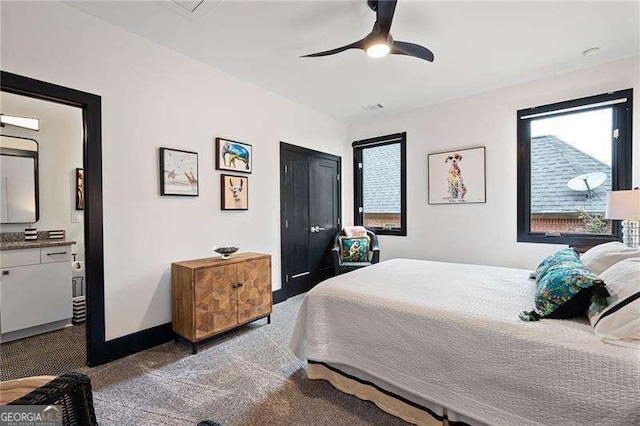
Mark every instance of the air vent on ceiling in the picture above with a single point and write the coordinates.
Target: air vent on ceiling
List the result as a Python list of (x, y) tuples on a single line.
[(189, 5), (373, 107)]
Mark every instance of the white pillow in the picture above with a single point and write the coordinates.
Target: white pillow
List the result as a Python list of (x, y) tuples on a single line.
[(601, 257), (619, 323)]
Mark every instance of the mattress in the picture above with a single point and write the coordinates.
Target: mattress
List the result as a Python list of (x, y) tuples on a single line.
[(450, 334)]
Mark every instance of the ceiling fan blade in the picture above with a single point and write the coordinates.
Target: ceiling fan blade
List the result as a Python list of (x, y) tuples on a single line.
[(411, 49), (384, 15), (357, 45)]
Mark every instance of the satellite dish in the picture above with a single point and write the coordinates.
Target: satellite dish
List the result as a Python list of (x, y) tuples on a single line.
[(587, 182)]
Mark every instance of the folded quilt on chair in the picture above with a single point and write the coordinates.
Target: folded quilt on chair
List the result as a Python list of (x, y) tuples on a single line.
[(355, 231)]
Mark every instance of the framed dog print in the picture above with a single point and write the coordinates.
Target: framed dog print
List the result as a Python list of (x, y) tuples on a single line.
[(178, 172), (234, 192), (234, 156), (457, 177)]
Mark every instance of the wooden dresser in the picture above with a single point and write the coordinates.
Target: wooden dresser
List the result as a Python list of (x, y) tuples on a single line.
[(210, 296)]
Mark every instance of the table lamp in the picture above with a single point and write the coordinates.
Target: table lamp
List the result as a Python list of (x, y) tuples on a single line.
[(625, 206)]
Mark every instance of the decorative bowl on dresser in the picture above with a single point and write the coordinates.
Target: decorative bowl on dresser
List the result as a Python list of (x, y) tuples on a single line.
[(225, 252), (214, 295)]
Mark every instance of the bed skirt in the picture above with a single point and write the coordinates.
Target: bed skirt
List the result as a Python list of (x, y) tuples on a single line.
[(393, 404)]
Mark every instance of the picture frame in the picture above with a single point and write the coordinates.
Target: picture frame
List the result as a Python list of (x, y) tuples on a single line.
[(457, 176), (178, 173), (234, 192), (79, 188), (234, 156)]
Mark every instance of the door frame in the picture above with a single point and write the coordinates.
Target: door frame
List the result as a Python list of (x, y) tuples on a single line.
[(91, 106), (284, 292)]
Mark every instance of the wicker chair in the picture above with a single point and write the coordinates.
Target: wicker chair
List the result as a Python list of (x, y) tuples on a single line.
[(71, 391), (340, 267)]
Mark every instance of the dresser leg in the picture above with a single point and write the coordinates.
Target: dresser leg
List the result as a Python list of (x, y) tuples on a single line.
[(194, 348), (177, 339), (268, 319)]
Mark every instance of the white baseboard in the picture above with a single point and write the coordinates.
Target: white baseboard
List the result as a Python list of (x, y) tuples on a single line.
[(32, 331)]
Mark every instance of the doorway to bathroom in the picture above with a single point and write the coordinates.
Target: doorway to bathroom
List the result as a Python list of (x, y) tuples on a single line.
[(43, 287), (51, 287)]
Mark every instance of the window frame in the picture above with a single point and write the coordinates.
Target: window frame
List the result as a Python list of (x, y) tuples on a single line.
[(621, 163), (358, 147)]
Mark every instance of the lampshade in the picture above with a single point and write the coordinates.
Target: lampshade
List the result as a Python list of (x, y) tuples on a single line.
[(623, 205)]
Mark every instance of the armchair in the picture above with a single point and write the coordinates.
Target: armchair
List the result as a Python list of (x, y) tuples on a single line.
[(341, 267), (71, 391)]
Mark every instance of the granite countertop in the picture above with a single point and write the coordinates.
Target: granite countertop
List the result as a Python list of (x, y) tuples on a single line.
[(19, 245)]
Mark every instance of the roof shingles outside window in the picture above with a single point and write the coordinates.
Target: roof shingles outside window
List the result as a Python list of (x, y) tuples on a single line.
[(381, 179), (555, 162)]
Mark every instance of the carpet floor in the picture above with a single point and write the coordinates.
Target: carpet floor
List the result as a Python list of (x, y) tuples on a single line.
[(48, 354), (247, 377)]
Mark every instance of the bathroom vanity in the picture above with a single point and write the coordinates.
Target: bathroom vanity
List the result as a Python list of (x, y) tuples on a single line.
[(35, 287), (35, 276)]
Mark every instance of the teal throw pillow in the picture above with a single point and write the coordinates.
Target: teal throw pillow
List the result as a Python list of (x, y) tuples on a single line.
[(354, 249), (565, 288)]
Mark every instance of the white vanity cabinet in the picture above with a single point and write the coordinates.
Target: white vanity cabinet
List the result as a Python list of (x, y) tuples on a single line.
[(35, 291)]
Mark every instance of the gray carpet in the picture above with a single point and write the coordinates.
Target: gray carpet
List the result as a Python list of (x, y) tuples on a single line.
[(50, 354), (248, 377)]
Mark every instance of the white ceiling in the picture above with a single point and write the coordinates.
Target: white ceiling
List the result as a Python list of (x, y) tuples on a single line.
[(478, 46)]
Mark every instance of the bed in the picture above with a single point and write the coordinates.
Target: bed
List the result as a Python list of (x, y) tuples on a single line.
[(435, 342)]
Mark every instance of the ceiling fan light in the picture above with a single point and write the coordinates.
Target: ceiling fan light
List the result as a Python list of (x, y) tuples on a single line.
[(378, 50)]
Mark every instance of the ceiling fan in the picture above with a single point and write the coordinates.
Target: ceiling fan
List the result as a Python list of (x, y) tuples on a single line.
[(379, 43)]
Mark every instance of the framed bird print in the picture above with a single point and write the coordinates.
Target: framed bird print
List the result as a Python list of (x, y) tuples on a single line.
[(234, 156), (178, 172)]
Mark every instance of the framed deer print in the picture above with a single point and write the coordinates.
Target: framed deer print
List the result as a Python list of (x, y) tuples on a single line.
[(234, 156), (457, 177), (178, 172), (234, 192)]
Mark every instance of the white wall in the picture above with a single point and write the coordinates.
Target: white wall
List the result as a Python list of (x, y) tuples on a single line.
[(483, 233), (153, 97), (60, 140)]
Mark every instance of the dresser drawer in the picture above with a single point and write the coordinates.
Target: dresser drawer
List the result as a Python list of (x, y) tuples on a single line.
[(22, 257), (55, 254)]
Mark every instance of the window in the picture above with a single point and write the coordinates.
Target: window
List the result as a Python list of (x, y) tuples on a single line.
[(380, 184), (570, 156)]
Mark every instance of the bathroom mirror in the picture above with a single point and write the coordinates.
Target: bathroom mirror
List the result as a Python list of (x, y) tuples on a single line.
[(18, 180)]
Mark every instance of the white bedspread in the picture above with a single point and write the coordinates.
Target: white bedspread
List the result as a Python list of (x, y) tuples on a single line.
[(450, 333)]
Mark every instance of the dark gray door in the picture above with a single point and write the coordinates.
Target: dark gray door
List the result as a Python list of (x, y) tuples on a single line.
[(310, 198)]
